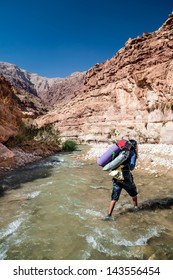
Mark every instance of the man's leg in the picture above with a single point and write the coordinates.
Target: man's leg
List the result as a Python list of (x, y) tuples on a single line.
[(111, 207), (135, 201), (116, 190)]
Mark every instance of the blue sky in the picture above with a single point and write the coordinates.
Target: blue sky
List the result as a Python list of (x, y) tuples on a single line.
[(55, 38)]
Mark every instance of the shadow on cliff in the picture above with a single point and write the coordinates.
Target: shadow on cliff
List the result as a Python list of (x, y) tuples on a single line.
[(29, 173)]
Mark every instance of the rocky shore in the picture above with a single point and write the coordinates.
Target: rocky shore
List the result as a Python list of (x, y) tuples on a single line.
[(155, 159), (27, 154)]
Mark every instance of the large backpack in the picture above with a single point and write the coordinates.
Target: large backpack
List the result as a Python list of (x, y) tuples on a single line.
[(124, 146), (113, 152)]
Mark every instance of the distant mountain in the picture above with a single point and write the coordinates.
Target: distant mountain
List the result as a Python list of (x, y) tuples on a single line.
[(50, 90), (17, 77)]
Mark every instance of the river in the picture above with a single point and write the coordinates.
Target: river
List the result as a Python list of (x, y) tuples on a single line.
[(53, 210)]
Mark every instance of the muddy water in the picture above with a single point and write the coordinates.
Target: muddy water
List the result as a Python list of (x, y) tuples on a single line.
[(57, 208)]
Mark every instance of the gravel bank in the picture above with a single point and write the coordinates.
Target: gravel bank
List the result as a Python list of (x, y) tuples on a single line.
[(23, 157)]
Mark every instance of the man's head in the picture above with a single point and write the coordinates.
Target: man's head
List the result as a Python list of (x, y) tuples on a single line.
[(133, 142)]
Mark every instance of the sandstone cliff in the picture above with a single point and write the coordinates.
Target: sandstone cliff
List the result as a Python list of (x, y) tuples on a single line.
[(16, 107), (130, 95), (10, 113)]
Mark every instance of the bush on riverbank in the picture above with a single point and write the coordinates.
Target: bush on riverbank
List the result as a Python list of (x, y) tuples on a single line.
[(69, 146)]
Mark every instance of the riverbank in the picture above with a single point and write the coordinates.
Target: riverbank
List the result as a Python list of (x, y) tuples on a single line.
[(28, 153), (156, 159)]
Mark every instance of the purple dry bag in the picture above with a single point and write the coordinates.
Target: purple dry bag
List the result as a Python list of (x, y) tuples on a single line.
[(108, 155)]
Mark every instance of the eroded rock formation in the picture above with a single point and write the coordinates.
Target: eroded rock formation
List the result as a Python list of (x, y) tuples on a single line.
[(130, 95), (15, 106)]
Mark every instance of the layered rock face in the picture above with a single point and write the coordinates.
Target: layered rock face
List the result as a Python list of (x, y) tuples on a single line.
[(10, 113), (130, 95)]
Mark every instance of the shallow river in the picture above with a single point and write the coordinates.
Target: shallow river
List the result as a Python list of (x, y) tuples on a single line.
[(55, 211)]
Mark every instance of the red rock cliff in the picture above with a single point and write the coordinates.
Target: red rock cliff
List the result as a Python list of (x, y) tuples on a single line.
[(130, 95)]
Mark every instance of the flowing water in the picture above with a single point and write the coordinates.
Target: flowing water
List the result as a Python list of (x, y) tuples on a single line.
[(54, 210)]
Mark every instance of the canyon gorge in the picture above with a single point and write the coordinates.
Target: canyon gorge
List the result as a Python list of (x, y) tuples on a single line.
[(127, 96)]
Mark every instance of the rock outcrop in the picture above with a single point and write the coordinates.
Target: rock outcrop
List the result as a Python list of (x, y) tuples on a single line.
[(15, 107), (10, 112), (10, 115), (129, 95)]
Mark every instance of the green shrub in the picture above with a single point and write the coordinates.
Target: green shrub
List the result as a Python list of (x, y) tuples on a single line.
[(69, 146)]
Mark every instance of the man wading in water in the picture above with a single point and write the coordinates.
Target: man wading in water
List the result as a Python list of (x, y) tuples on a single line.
[(126, 182)]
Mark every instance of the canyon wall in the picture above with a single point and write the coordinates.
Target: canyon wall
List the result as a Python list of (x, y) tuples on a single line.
[(129, 95)]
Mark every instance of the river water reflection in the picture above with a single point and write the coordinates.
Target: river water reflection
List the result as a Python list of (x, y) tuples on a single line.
[(57, 208)]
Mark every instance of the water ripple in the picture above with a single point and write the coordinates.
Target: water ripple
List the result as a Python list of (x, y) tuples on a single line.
[(11, 228)]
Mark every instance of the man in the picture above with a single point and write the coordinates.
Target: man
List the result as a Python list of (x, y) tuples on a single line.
[(126, 182)]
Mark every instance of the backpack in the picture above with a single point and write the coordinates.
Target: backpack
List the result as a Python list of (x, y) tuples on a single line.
[(121, 156), (113, 152)]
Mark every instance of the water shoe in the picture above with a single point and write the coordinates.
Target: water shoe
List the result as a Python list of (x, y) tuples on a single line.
[(108, 218)]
